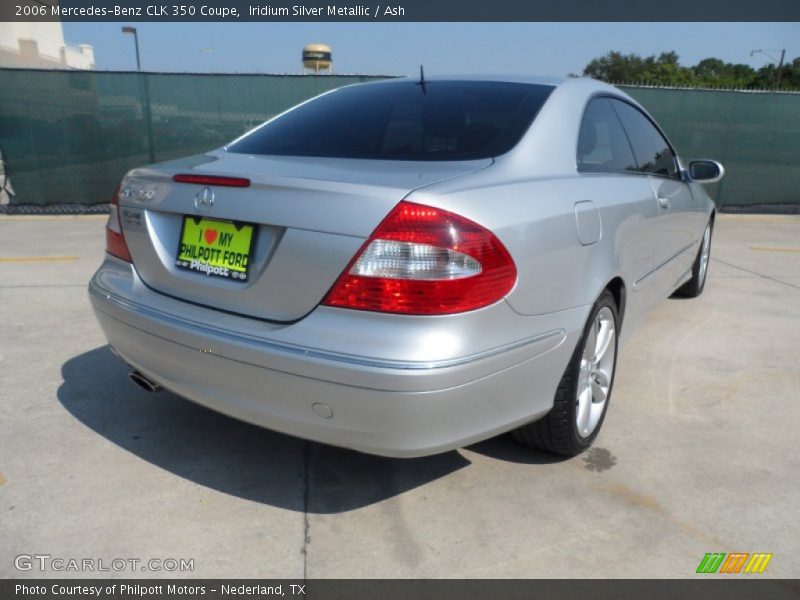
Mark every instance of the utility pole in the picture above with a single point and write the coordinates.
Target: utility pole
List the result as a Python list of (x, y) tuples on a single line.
[(780, 63), (780, 68)]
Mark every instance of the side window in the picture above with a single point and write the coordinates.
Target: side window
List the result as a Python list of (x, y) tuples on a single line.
[(602, 145), (652, 151)]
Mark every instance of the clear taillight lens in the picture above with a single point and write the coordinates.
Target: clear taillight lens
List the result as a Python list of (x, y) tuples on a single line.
[(405, 260), (425, 261), (115, 239)]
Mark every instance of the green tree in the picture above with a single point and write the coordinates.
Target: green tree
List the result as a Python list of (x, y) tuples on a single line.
[(790, 76), (665, 69), (614, 66), (712, 72)]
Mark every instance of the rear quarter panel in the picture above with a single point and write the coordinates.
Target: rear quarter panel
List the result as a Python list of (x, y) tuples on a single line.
[(528, 199), (535, 219)]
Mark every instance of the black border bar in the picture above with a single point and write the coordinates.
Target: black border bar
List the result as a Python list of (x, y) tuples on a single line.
[(744, 587), (410, 10)]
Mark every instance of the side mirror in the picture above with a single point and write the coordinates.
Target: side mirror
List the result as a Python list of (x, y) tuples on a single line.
[(706, 171)]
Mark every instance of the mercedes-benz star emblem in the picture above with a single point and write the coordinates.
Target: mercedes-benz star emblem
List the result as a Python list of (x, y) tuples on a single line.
[(204, 199)]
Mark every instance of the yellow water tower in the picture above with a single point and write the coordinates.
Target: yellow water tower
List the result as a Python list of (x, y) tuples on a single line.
[(317, 57)]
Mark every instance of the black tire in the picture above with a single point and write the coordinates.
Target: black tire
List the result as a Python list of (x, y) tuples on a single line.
[(557, 431), (695, 286)]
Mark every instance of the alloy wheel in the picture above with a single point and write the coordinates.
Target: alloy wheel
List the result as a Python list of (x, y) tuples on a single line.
[(704, 254), (596, 372)]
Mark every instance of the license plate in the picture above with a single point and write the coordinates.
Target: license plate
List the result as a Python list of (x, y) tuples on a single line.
[(216, 248)]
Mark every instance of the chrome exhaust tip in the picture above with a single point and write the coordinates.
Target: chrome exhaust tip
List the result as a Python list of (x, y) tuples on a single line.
[(148, 385)]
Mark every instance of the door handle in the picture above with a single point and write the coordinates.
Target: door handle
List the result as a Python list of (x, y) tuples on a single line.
[(663, 202)]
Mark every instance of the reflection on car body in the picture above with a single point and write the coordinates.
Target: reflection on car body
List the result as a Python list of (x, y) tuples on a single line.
[(425, 266)]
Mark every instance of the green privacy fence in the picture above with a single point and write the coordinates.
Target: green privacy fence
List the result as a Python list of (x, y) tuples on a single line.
[(67, 137), (755, 135)]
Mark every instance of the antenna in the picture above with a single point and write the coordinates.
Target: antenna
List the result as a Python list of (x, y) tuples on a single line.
[(422, 81)]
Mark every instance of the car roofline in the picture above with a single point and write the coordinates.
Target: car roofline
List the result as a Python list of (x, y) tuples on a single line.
[(586, 84), (530, 79)]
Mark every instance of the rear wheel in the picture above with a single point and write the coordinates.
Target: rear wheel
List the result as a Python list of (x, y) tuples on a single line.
[(582, 397), (694, 287)]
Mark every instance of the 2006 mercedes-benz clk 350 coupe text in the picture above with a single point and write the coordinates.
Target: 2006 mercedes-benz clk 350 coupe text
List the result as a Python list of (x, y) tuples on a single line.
[(408, 266)]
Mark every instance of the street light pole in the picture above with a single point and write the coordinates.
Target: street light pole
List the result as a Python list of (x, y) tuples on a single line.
[(144, 82), (780, 63), (136, 42)]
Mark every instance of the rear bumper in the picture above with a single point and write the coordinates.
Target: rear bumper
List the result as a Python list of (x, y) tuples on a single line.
[(379, 404)]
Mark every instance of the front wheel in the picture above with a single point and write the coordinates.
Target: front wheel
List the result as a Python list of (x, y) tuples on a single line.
[(694, 287), (582, 397)]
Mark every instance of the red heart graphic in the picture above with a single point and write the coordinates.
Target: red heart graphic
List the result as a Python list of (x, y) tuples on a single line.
[(210, 235)]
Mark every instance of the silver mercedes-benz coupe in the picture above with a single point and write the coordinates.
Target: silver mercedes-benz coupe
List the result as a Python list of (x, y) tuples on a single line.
[(408, 266)]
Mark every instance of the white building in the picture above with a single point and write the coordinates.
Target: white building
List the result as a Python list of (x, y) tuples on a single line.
[(41, 46)]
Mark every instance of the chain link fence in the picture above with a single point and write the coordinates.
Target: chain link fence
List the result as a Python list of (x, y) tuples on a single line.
[(67, 137), (755, 135)]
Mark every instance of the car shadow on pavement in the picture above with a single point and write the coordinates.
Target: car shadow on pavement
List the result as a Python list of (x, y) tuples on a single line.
[(231, 456), (505, 447)]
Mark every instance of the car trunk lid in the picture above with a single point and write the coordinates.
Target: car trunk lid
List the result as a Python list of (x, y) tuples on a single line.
[(309, 217)]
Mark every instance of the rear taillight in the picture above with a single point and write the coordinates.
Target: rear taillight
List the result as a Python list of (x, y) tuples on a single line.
[(115, 239), (425, 261)]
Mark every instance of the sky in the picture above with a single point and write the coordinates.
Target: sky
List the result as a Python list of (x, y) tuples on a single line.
[(555, 49)]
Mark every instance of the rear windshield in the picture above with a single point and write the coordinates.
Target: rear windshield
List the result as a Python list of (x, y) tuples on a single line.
[(442, 120)]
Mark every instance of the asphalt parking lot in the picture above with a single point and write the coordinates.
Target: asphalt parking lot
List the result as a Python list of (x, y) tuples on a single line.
[(698, 454)]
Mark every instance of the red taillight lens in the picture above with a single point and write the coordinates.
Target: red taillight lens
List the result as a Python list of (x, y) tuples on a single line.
[(212, 180), (425, 261), (115, 239)]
